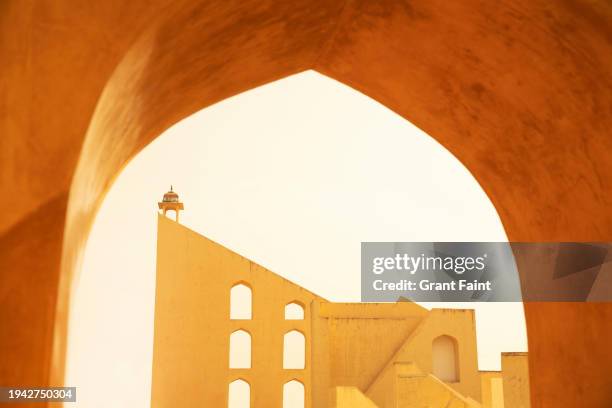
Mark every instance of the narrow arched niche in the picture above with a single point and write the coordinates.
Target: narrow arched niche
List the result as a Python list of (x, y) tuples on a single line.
[(239, 394), (241, 302), (445, 358), (294, 311), (293, 394), (240, 349), (294, 350)]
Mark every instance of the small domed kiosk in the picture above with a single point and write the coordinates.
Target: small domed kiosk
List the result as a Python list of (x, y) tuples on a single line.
[(171, 201)]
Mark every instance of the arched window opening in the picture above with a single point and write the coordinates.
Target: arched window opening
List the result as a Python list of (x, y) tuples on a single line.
[(294, 311), (445, 364), (293, 394), (294, 350), (239, 394), (240, 349), (241, 299)]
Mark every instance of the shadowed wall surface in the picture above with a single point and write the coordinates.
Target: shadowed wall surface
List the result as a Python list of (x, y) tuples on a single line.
[(518, 90)]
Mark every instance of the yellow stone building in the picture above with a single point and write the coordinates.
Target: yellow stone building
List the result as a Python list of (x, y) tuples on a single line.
[(230, 333)]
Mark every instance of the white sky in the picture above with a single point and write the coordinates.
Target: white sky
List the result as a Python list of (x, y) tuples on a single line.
[(293, 175)]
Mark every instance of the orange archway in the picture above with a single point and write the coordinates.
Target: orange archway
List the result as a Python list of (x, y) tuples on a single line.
[(518, 90)]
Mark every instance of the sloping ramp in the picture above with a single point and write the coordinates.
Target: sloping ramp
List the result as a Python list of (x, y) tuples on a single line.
[(350, 397)]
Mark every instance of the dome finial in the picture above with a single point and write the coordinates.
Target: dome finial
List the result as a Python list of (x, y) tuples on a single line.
[(171, 187)]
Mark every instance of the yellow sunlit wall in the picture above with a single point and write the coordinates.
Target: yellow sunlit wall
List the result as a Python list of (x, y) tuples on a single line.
[(367, 354)]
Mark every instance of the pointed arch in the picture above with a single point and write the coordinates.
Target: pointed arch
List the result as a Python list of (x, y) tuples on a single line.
[(294, 350), (294, 394), (294, 311), (241, 302), (240, 349), (239, 394)]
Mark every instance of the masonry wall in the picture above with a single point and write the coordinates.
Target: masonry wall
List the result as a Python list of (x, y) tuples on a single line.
[(460, 325), (515, 372), (347, 344), (355, 341), (492, 389), (192, 324)]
